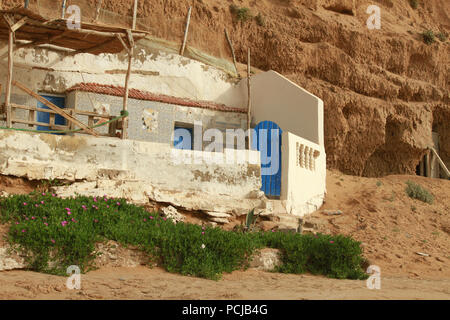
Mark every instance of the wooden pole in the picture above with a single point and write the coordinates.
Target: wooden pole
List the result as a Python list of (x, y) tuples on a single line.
[(97, 13), (232, 51), (9, 79), (443, 166), (125, 97), (127, 82), (249, 102), (186, 31), (63, 13), (134, 14)]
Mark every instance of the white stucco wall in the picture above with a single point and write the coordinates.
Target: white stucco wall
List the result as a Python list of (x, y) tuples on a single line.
[(45, 156), (276, 98), (303, 186), (156, 71)]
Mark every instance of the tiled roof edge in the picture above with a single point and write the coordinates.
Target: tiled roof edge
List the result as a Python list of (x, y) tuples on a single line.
[(148, 96)]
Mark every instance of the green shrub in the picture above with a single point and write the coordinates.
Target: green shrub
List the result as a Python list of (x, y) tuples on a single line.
[(53, 239), (416, 191), (334, 256), (428, 37), (241, 14), (414, 4)]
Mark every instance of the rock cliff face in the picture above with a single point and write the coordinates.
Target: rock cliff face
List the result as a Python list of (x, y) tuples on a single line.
[(385, 91)]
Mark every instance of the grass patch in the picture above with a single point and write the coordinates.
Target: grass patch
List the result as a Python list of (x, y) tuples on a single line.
[(414, 4), (55, 233), (416, 191), (428, 37), (242, 14)]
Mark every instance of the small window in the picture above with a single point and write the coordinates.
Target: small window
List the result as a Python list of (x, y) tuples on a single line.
[(183, 137)]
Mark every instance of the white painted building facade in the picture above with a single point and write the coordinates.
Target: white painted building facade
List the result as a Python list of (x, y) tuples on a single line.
[(144, 166)]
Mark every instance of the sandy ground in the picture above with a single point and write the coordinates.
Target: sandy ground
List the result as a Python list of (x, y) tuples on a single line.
[(391, 226), (376, 211), (145, 283)]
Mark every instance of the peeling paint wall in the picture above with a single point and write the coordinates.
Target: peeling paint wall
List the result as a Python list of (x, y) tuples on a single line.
[(152, 70), (45, 156)]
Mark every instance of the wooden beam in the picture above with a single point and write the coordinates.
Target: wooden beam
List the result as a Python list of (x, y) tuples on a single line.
[(31, 116), (36, 43), (9, 20), (42, 124), (19, 24), (443, 166), (125, 97), (232, 52), (91, 49), (124, 45), (130, 38), (71, 111), (55, 108), (249, 102), (183, 46), (9, 79), (63, 9), (134, 14)]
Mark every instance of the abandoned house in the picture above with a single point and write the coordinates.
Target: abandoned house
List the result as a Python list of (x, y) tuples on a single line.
[(102, 107)]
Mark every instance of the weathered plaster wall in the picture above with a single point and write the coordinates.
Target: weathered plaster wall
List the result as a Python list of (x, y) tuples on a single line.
[(304, 175), (44, 156), (153, 70), (294, 109)]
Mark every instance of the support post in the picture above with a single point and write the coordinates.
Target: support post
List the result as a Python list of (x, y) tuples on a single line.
[(443, 166), (249, 102), (186, 31), (27, 2), (9, 79), (63, 13), (127, 81), (134, 14)]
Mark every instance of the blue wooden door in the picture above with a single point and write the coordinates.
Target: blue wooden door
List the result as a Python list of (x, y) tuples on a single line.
[(268, 142), (44, 117)]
